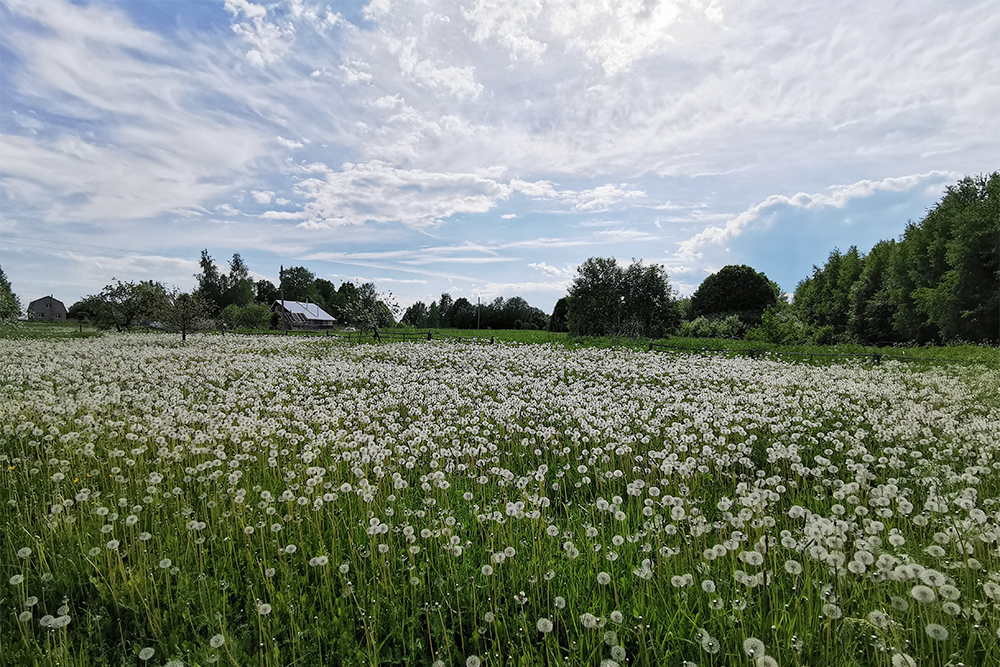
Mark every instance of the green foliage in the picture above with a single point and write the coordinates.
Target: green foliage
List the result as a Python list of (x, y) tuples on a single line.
[(251, 316), (371, 311), (729, 326), (10, 305), (122, 305), (824, 300), (606, 299), (872, 307), (433, 315), (734, 290), (186, 312), (416, 315), (951, 265), (595, 298), (297, 284), (939, 282), (462, 314), (780, 326), (266, 292), (444, 309), (559, 313), (220, 290)]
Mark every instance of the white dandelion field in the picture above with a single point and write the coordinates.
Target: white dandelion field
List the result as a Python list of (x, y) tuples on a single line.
[(280, 501)]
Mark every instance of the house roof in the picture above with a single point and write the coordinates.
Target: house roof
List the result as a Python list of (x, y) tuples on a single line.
[(309, 311), (46, 300)]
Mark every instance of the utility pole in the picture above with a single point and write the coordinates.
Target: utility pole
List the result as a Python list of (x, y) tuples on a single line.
[(281, 286), (479, 312)]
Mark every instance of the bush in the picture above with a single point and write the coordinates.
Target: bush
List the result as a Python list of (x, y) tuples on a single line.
[(252, 316), (731, 327), (781, 327)]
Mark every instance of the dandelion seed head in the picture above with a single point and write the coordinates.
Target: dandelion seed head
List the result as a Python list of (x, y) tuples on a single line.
[(923, 594), (753, 647), (936, 632)]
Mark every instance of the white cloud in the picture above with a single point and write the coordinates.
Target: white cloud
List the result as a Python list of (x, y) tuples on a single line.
[(601, 198), (839, 196), (262, 196), (283, 215), (377, 192), (289, 143), (148, 152), (459, 81), (509, 216), (553, 271), (492, 290), (270, 40), (227, 209)]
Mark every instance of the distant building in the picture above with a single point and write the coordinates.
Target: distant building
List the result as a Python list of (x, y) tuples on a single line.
[(47, 309), (302, 315)]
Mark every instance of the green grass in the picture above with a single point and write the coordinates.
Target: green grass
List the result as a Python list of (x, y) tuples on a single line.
[(989, 355), (48, 330), (139, 439)]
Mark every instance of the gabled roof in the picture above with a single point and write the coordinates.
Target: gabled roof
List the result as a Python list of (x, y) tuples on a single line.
[(309, 311)]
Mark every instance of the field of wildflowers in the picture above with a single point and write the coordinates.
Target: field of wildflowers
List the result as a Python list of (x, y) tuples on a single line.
[(281, 500)]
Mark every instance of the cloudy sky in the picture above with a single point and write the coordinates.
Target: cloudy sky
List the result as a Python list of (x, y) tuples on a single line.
[(480, 148)]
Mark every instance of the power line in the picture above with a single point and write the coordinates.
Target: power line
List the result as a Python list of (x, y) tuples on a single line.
[(47, 242)]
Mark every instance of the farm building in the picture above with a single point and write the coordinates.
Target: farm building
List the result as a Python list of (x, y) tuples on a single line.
[(47, 309), (302, 315)]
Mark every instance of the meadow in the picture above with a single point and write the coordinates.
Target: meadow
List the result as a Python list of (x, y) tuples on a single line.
[(290, 500)]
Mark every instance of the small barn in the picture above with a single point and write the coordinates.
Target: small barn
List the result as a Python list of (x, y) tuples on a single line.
[(302, 315), (47, 309)]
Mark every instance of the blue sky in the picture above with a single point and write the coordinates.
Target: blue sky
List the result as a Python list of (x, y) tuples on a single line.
[(479, 148)]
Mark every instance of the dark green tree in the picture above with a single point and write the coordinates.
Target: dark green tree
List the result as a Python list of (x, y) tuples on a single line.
[(463, 314), (10, 305), (734, 290), (558, 320), (595, 306), (948, 270), (297, 282), (240, 288), (121, 305), (183, 312), (824, 300), (433, 316), (211, 284), (871, 306), (326, 295), (445, 304), (648, 307), (416, 315), (267, 293)]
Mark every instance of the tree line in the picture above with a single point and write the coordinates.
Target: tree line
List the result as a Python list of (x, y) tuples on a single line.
[(500, 313), (940, 282)]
